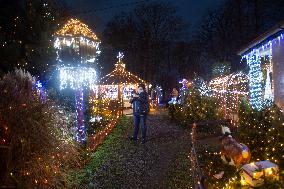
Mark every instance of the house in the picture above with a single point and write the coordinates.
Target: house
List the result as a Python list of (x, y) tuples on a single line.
[(265, 58)]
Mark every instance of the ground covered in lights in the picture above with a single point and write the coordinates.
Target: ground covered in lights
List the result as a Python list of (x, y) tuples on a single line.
[(119, 163)]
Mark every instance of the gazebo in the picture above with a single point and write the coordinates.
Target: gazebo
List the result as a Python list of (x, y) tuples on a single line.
[(119, 84)]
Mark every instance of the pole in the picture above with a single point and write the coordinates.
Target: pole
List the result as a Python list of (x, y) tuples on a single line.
[(79, 99)]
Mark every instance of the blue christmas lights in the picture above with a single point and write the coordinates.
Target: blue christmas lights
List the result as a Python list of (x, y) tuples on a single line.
[(260, 93), (255, 82)]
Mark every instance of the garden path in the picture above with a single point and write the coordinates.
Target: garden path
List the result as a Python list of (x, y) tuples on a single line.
[(152, 165)]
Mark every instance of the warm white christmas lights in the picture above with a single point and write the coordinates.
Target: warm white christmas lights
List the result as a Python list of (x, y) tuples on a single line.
[(77, 77)]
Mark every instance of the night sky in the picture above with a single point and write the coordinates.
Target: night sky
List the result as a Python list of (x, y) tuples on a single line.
[(98, 12)]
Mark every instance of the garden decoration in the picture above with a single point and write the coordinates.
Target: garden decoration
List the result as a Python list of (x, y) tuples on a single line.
[(253, 174), (237, 153), (120, 83), (174, 95), (77, 48)]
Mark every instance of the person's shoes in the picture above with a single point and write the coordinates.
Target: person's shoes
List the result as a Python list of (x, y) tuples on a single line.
[(143, 142), (133, 139)]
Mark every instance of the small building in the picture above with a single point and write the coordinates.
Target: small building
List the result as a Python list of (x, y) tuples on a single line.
[(120, 83), (76, 43), (265, 58), (77, 48)]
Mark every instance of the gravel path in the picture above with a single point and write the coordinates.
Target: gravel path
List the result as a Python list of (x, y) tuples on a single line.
[(150, 165)]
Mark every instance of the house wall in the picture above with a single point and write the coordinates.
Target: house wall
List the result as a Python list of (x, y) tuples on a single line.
[(278, 72)]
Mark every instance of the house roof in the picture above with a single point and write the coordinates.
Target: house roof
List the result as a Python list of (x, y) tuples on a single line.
[(76, 28), (270, 34), (120, 76)]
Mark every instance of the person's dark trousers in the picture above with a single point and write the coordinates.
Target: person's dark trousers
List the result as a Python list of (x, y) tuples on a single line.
[(140, 119)]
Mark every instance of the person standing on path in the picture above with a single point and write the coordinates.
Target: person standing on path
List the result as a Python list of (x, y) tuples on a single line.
[(140, 104)]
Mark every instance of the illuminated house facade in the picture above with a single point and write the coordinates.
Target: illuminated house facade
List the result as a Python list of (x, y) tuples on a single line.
[(265, 58)]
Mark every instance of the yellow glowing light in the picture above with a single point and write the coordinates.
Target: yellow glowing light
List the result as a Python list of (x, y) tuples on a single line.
[(243, 182), (75, 27)]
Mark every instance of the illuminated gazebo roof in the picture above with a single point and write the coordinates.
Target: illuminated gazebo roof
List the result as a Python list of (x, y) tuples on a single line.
[(75, 28), (120, 75)]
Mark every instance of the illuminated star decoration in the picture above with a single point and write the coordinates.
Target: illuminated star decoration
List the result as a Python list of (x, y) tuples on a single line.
[(38, 84), (40, 91), (120, 56)]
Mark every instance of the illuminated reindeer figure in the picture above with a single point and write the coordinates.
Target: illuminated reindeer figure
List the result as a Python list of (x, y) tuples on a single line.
[(237, 153)]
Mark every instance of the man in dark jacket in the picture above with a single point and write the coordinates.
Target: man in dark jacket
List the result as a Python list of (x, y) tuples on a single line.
[(140, 104)]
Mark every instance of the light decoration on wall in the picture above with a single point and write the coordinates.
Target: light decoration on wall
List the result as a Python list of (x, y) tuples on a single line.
[(77, 77), (268, 92), (228, 89), (255, 82), (268, 96), (260, 94)]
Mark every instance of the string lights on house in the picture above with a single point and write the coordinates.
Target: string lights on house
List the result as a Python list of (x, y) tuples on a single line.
[(254, 58)]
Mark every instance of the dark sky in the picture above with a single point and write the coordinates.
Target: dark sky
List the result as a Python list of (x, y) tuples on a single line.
[(98, 12)]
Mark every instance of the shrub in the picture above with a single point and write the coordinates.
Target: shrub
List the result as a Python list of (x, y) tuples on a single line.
[(35, 134)]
